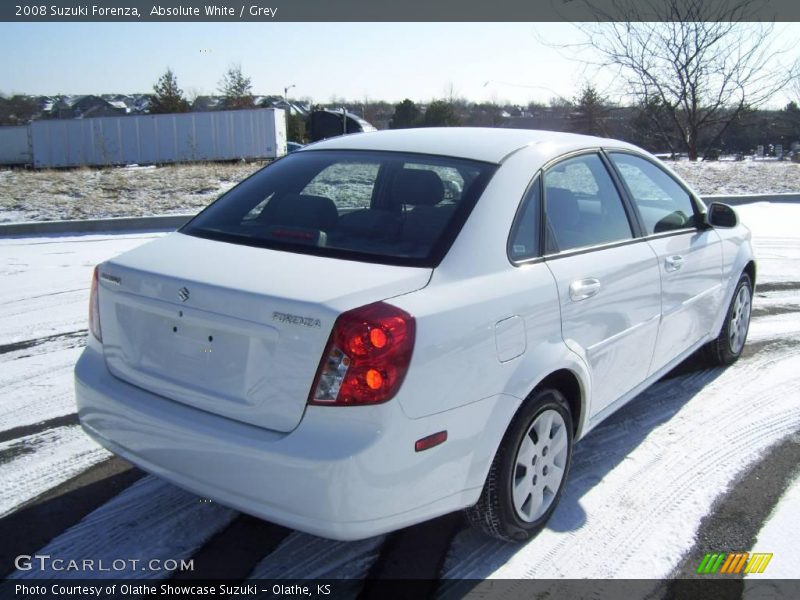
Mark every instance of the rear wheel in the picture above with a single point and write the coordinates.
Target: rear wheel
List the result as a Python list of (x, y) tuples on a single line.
[(529, 470), (729, 344)]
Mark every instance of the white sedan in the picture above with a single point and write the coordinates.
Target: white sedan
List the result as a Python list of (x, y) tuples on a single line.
[(382, 328)]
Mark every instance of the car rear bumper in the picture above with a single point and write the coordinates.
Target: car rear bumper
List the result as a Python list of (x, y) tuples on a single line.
[(344, 473)]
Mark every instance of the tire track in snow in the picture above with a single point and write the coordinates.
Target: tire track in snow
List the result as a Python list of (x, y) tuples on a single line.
[(151, 520), (737, 517), (18, 432), (56, 341), (37, 388), (49, 295), (41, 461)]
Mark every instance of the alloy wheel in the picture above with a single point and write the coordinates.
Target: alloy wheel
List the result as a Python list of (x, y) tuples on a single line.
[(539, 466), (740, 320)]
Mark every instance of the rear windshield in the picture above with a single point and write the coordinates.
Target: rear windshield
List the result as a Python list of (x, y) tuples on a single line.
[(377, 206)]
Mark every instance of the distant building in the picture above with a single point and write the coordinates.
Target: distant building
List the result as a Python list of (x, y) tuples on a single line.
[(80, 107), (206, 103)]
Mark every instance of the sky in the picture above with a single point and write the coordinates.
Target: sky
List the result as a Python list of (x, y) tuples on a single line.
[(514, 62)]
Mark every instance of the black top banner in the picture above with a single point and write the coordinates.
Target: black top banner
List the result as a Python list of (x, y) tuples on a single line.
[(395, 10)]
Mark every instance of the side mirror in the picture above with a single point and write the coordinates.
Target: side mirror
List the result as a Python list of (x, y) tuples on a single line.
[(721, 215)]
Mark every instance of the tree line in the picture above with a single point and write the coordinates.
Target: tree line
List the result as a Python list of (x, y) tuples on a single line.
[(591, 113)]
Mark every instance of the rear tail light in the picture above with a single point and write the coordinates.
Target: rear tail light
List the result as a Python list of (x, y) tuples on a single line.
[(94, 309), (366, 358)]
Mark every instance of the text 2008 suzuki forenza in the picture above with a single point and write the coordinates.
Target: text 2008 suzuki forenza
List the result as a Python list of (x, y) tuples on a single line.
[(386, 327)]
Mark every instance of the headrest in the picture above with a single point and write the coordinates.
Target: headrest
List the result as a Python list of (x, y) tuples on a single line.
[(301, 210), (561, 207), (417, 187)]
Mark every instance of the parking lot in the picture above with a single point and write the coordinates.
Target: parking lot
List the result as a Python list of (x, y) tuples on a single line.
[(641, 483)]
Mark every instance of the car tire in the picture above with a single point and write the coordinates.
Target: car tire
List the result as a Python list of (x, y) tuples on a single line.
[(529, 470), (728, 346)]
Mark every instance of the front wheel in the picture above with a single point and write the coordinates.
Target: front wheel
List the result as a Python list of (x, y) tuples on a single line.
[(528, 473), (729, 344)]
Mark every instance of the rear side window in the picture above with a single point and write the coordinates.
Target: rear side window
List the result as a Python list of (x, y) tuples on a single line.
[(376, 206), (661, 201), (524, 240), (582, 205)]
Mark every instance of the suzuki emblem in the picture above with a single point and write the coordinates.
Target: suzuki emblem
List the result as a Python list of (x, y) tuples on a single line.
[(183, 294)]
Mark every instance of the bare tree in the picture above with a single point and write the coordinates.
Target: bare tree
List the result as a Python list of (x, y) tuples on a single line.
[(701, 63)]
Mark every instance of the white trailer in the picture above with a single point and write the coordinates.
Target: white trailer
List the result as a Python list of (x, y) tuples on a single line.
[(155, 139), (15, 146)]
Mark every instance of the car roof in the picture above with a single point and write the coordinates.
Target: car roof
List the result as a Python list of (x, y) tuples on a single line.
[(476, 143)]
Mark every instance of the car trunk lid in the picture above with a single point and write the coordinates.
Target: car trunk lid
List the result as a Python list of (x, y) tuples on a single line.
[(234, 330)]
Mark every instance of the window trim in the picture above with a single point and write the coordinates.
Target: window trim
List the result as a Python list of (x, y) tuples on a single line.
[(698, 213), (595, 248)]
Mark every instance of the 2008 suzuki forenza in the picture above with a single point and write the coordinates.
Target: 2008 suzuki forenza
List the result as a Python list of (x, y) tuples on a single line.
[(382, 328)]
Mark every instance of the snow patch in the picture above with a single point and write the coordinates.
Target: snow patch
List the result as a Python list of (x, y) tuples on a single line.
[(780, 535), (31, 465)]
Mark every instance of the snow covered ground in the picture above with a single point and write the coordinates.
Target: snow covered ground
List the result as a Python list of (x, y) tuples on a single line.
[(178, 189), (640, 484), (43, 308), (744, 177), (52, 195)]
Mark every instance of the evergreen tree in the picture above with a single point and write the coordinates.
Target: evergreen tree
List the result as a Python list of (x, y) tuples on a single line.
[(440, 113), (485, 114), (168, 97), (406, 114), (591, 111), (236, 89), (296, 128), (788, 124), (17, 110)]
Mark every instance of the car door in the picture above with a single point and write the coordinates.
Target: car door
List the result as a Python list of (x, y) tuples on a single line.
[(607, 278), (690, 257)]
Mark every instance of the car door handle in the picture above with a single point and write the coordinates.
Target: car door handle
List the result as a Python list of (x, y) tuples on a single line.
[(673, 263), (581, 289)]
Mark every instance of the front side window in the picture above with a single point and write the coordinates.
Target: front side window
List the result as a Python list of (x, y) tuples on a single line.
[(661, 201), (582, 205), (378, 206)]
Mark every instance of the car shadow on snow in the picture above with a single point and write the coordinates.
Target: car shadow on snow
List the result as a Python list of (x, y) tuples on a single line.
[(612, 441), (474, 557)]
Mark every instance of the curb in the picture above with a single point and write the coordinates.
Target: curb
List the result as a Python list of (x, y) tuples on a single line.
[(94, 225), (750, 198)]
